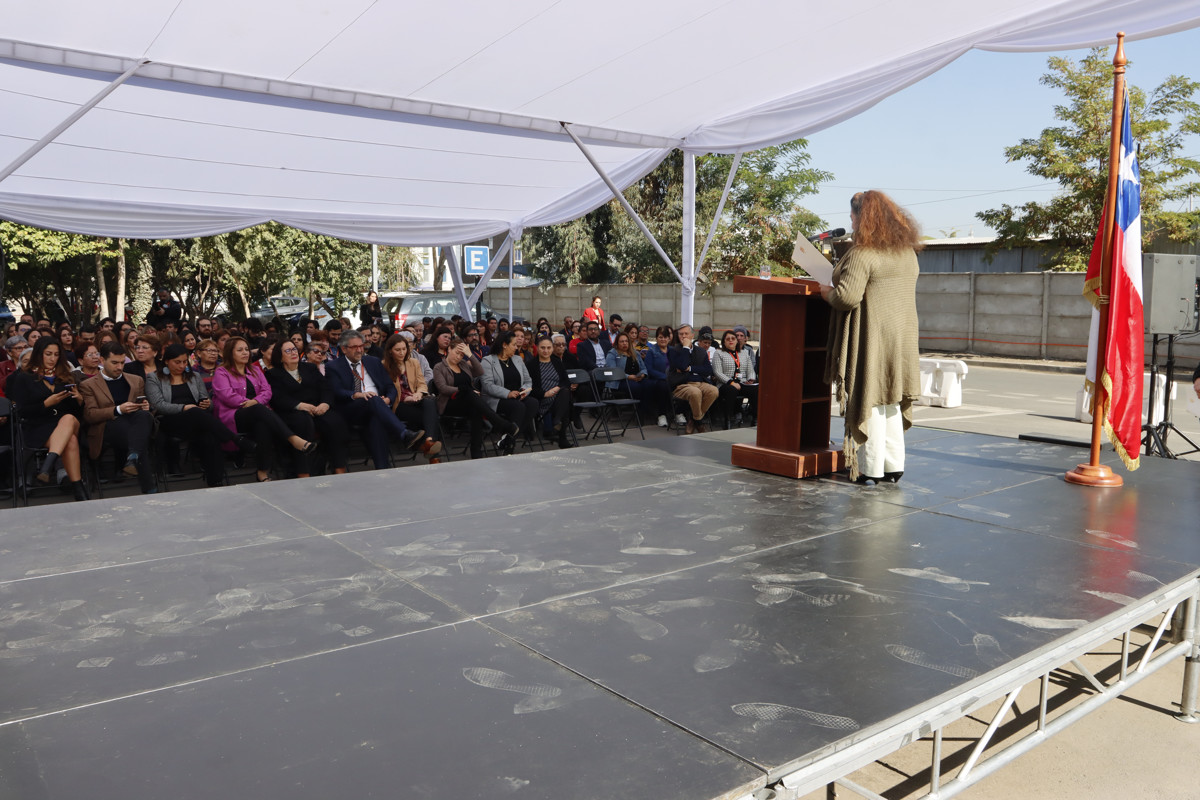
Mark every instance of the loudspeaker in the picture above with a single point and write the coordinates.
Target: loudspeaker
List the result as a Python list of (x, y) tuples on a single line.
[(1168, 292)]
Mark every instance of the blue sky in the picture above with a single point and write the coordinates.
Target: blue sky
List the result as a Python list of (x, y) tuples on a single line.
[(938, 146)]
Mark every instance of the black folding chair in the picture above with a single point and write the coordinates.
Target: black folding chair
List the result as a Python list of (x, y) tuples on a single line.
[(10, 450), (614, 403), (584, 378)]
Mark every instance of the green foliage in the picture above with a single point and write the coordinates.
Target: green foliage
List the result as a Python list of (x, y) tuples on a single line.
[(1076, 153), (760, 222), (234, 270)]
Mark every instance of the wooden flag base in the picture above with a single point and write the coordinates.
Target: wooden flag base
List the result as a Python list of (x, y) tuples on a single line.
[(1094, 475)]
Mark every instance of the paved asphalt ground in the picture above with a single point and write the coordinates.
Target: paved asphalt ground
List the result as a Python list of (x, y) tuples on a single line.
[(1129, 749)]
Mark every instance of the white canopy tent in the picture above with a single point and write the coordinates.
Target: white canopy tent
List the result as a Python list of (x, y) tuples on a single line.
[(406, 123)]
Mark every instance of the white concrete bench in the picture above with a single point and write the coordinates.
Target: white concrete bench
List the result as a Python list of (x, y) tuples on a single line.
[(941, 382)]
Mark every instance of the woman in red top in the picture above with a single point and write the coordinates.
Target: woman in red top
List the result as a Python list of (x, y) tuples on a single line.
[(595, 313)]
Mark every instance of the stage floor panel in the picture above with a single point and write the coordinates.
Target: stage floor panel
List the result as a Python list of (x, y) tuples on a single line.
[(422, 493), (89, 636), (456, 712), (1156, 512), (47, 540), (784, 652), (499, 560), (617, 621)]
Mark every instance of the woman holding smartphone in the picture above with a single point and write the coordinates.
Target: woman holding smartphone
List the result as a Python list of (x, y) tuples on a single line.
[(49, 405), (507, 387)]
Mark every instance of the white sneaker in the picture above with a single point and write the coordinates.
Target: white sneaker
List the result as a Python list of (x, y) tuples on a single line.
[(680, 419), (662, 420)]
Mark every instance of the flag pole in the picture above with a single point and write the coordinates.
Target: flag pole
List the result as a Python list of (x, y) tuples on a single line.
[(1094, 473)]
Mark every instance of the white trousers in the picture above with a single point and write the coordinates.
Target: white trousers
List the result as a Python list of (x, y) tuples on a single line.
[(884, 449)]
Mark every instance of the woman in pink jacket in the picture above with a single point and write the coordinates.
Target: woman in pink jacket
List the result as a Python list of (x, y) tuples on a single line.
[(241, 394)]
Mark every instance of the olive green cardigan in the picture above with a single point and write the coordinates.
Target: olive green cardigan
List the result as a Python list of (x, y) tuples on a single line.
[(872, 357)]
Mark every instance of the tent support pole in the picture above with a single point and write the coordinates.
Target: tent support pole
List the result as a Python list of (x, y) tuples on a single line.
[(40, 144), (374, 268), (712, 231), (456, 276), (621, 199), (688, 292), (493, 265)]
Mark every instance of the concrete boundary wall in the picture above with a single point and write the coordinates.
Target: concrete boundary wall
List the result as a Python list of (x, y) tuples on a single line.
[(1036, 315)]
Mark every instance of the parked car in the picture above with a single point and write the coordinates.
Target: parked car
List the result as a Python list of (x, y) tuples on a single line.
[(321, 316), (6, 315), (285, 306), (399, 308)]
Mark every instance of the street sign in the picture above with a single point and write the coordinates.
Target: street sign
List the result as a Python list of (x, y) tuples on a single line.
[(476, 260)]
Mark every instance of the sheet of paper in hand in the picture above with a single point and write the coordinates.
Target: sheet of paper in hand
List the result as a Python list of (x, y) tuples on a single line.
[(809, 258)]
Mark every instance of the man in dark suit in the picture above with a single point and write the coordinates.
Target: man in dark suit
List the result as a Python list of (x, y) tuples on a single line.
[(365, 394), (609, 337), (117, 413), (591, 351)]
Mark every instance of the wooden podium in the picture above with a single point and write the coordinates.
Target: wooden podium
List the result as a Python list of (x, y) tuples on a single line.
[(794, 402)]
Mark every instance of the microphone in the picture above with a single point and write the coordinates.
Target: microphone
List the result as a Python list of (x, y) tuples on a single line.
[(833, 234)]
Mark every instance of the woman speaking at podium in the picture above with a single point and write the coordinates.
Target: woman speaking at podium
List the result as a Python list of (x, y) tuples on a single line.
[(872, 356)]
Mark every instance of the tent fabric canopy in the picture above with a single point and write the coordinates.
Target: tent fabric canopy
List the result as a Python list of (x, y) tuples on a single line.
[(407, 123)]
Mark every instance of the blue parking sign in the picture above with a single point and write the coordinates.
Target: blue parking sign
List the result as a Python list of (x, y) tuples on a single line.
[(476, 260)]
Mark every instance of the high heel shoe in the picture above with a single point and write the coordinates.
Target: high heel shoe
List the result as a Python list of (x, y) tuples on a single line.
[(80, 490), (893, 477)]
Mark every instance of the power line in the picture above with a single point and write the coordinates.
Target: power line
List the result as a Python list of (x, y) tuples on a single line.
[(959, 189)]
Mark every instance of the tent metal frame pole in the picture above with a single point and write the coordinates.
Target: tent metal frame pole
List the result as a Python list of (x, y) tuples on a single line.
[(621, 199), (40, 144), (688, 262), (374, 268), (493, 265), (456, 276), (712, 231), (510, 285)]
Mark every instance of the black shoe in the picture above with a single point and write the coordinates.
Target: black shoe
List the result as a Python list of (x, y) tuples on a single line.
[(577, 422), (863, 480), (80, 489), (564, 443), (415, 440), (244, 443), (507, 444), (893, 477)]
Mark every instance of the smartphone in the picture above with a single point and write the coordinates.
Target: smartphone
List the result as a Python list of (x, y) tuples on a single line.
[(141, 398), (67, 387)]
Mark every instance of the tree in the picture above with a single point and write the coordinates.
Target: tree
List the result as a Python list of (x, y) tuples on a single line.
[(759, 223), (1075, 154)]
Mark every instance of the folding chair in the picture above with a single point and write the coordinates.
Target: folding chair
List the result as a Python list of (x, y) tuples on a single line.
[(613, 403), (10, 450), (583, 378)]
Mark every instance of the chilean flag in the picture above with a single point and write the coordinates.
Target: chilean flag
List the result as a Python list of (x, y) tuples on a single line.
[(1124, 355)]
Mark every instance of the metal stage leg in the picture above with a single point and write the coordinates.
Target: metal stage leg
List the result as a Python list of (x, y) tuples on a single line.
[(1191, 668)]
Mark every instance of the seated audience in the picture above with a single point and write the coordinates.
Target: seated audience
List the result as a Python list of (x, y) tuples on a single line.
[(413, 404), (364, 395), (551, 389), (183, 405), (507, 387), (690, 378), (145, 354), (50, 407), (456, 396), (735, 376), (87, 355), (118, 414), (242, 394), (302, 396)]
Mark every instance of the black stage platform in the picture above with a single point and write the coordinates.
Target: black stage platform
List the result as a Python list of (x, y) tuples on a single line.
[(618, 621)]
